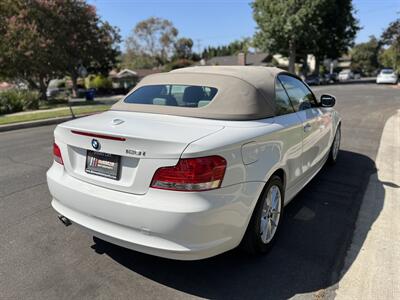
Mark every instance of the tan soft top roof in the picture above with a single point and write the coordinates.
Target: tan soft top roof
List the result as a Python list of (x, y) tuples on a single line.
[(244, 92)]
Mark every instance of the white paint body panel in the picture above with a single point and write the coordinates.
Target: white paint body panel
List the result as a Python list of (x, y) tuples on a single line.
[(183, 225)]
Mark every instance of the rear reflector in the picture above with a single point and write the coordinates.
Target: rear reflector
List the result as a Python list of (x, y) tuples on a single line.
[(100, 136), (57, 154), (191, 174)]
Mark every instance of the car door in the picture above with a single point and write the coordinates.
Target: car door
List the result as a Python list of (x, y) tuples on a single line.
[(290, 137), (316, 124)]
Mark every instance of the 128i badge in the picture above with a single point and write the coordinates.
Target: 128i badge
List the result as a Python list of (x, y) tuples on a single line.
[(135, 152)]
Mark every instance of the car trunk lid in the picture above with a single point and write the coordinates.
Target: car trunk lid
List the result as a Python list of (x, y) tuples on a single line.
[(144, 142)]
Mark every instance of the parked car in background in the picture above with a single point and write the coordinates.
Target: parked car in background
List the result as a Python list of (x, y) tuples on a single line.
[(313, 79), (387, 76), (324, 78), (346, 75), (184, 168), (330, 77), (53, 92), (55, 88), (356, 75)]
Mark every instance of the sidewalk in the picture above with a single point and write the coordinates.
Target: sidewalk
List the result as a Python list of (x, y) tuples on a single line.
[(372, 264), (47, 116), (47, 110), (102, 99)]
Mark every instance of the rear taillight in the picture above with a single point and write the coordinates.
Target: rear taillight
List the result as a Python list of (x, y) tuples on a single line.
[(57, 154), (191, 174)]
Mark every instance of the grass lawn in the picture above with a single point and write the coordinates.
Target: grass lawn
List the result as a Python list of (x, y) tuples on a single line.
[(63, 102), (47, 114)]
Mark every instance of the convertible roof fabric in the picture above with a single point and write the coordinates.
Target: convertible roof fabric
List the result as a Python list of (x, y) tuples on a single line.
[(244, 92)]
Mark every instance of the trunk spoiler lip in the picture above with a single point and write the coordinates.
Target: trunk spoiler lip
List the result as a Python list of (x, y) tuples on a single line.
[(100, 136)]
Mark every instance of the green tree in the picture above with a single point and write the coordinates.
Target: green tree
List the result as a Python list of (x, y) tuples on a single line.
[(295, 28), (25, 45), (232, 48), (391, 37), (336, 32), (364, 56), (42, 39), (84, 39), (99, 82), (152, 39), (283, 26), (183, 48), (45, 39), (133, 59), (390, 58)]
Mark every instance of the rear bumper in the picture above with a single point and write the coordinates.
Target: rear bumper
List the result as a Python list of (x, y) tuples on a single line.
[(386, 80), (177, 225)]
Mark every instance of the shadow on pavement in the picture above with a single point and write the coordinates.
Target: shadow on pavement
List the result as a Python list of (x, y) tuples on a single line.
[(316, 232)]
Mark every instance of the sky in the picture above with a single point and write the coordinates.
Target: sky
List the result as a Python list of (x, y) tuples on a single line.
[(219, 22)]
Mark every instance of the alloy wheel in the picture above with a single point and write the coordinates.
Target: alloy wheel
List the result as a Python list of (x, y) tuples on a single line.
[(270, 214)]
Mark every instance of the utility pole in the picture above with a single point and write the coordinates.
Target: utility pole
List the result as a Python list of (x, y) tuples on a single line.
[(198, 46)]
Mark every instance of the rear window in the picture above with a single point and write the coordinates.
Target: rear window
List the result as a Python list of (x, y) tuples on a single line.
[(387, 71), (173, 95)]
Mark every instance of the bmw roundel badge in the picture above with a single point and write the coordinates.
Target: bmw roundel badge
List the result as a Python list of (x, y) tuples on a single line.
[(95, 144)]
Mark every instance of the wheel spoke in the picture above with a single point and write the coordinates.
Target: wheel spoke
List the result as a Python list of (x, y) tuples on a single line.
[(270, 214), (274, 194), (265, 209), (264, 231), (263, 224), (269, 230), (275, 200), (275, 212)]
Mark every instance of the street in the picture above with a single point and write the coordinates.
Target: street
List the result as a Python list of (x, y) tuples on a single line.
[(42, 259)]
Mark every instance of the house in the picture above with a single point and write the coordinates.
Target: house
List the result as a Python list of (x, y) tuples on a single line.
[(344, 62), (126, 78), (18, 84), (241, 59), (341, 63), (256, 59), (6, 86)]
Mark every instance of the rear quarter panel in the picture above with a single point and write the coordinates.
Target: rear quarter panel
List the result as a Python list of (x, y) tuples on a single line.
[(254, 152)]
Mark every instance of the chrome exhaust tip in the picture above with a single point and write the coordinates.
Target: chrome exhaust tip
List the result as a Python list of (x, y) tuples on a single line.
[(64, 220)]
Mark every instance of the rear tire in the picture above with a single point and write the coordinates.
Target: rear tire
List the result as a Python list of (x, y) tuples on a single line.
[(334, 151), (265, 222)]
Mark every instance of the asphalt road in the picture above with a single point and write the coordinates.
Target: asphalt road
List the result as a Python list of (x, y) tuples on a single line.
[(42, 259)]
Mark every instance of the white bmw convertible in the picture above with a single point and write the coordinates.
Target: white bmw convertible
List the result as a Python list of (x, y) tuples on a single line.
[(194, 162)]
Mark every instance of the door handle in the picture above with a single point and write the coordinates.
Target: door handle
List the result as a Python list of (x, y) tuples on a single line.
[(307, 127)]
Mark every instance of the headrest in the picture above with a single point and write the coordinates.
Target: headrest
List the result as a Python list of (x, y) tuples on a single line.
[(193, 94), (159, 101)]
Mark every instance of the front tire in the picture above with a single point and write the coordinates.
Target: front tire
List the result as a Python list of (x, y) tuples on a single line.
[(265, 222), (334, 151)]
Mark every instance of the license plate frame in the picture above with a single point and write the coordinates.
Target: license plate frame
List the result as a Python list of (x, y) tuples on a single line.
[(103, 164)]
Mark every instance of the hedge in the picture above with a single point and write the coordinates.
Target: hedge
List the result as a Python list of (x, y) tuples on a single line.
[(13, 100), (98, 82)]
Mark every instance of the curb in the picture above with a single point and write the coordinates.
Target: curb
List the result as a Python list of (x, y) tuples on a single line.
[(37, 123), (373, 245)]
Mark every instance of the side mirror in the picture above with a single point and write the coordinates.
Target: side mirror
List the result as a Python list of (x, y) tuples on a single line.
[(327, 101)]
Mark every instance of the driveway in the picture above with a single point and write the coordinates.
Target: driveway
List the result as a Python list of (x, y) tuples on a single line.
[(42, 259)]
